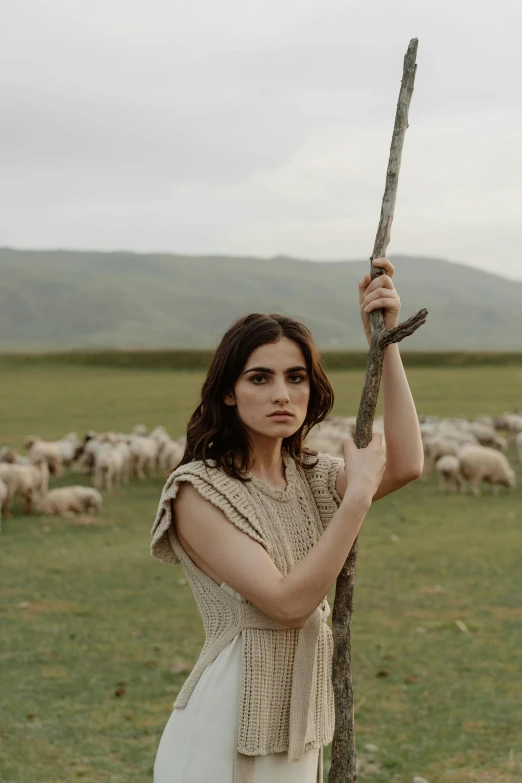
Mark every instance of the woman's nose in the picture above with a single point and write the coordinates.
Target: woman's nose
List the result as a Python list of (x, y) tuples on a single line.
[(281, 394)]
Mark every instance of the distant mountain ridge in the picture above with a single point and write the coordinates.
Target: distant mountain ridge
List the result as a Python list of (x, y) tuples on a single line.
[(56, 299)]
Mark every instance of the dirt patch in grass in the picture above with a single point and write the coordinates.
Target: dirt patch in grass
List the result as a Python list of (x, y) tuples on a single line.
[(86, 521), (506, 612), (47, 606)]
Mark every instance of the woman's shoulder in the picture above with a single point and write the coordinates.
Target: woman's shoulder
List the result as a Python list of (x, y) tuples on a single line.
[(216, 486), (208, 472), (207, 469)]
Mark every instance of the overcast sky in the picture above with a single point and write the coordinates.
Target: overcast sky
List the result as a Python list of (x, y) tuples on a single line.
[(261, 127)]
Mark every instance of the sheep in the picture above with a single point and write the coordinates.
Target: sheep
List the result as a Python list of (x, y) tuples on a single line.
[(481, 463), (144, 452), (488, 421), (58, 453), (457, 434), (436, 447), (519, 445), (162, 438), (13, 457), (28, 481), (67, 448), (105, 467), (487, 436), (36, 447), (324, 444), (107, 456), (112, 463), (67, 501), (85, 453), (511, 423), (447, 468), (123, 460), (328, 436), (3, 499), (170, 456)]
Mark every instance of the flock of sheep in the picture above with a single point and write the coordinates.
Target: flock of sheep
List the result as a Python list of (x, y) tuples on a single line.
[(111, 458), (464, 453)]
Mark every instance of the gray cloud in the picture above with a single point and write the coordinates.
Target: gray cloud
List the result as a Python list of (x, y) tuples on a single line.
[(260, 127)]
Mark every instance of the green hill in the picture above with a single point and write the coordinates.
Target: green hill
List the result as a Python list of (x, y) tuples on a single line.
[(69, 299)]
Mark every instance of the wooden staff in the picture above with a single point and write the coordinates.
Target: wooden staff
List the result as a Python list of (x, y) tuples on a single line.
[(343, 767)]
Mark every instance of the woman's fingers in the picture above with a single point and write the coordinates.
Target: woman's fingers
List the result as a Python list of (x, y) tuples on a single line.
[(380, 297), (368, 294), (384, 263), (383, 281), (367, 288), (364, 282)]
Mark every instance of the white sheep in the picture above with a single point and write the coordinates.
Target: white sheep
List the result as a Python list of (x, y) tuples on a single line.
[(518, 442), (511, 423), (485, 419), (3, 499), (13, 457), (327, 437), (85, 453), (67, 501), (447, 468), (28, 481), (112, 462), (67, 447), (162, 438), (144, 451), (170, 455), (487, 436), (435, 447), (481, 463), (123, 459), (324, 443), (457, 434), (36, 448), (105, 467)]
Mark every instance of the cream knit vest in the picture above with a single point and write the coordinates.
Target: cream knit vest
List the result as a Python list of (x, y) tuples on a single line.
[(286, 697)]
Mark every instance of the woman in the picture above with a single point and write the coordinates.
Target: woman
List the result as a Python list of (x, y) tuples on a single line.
[(263, 527)]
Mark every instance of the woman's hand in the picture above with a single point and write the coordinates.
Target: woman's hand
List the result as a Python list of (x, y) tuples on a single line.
[(379, 293)]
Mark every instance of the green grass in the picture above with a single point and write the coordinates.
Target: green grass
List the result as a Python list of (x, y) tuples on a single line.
[(187, 359), (86, 613)]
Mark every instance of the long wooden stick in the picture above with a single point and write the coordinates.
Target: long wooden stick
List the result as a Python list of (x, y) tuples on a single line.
[(344, 754)]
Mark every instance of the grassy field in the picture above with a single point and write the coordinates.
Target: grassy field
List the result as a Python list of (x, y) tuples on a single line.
[(97, 637)]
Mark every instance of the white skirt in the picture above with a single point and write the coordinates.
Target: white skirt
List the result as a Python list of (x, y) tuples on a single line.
[(198, 743)]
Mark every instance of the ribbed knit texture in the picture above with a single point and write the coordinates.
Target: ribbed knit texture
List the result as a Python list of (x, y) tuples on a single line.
[(286, 697)]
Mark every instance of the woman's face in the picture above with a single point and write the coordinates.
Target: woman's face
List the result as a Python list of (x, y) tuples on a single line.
[(274, 378)]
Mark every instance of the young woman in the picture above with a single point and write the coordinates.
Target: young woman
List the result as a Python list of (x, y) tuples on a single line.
[(263, 527)]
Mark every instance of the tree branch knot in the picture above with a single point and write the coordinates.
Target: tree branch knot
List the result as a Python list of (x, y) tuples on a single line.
[(403, 329)]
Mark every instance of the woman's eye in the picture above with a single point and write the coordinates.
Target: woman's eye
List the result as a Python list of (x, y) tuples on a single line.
[(259, 379)]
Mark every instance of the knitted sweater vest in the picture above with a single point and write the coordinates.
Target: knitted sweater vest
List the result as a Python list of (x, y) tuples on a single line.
[(286, 696)]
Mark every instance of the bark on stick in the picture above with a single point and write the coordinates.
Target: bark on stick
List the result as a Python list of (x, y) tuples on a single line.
[(344, 755)]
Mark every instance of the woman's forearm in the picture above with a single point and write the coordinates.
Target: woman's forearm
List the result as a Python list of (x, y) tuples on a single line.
[(401, 424), (305, 586)]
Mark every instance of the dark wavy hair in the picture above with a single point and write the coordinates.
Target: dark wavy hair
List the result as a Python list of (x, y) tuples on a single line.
[(215, 431)]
